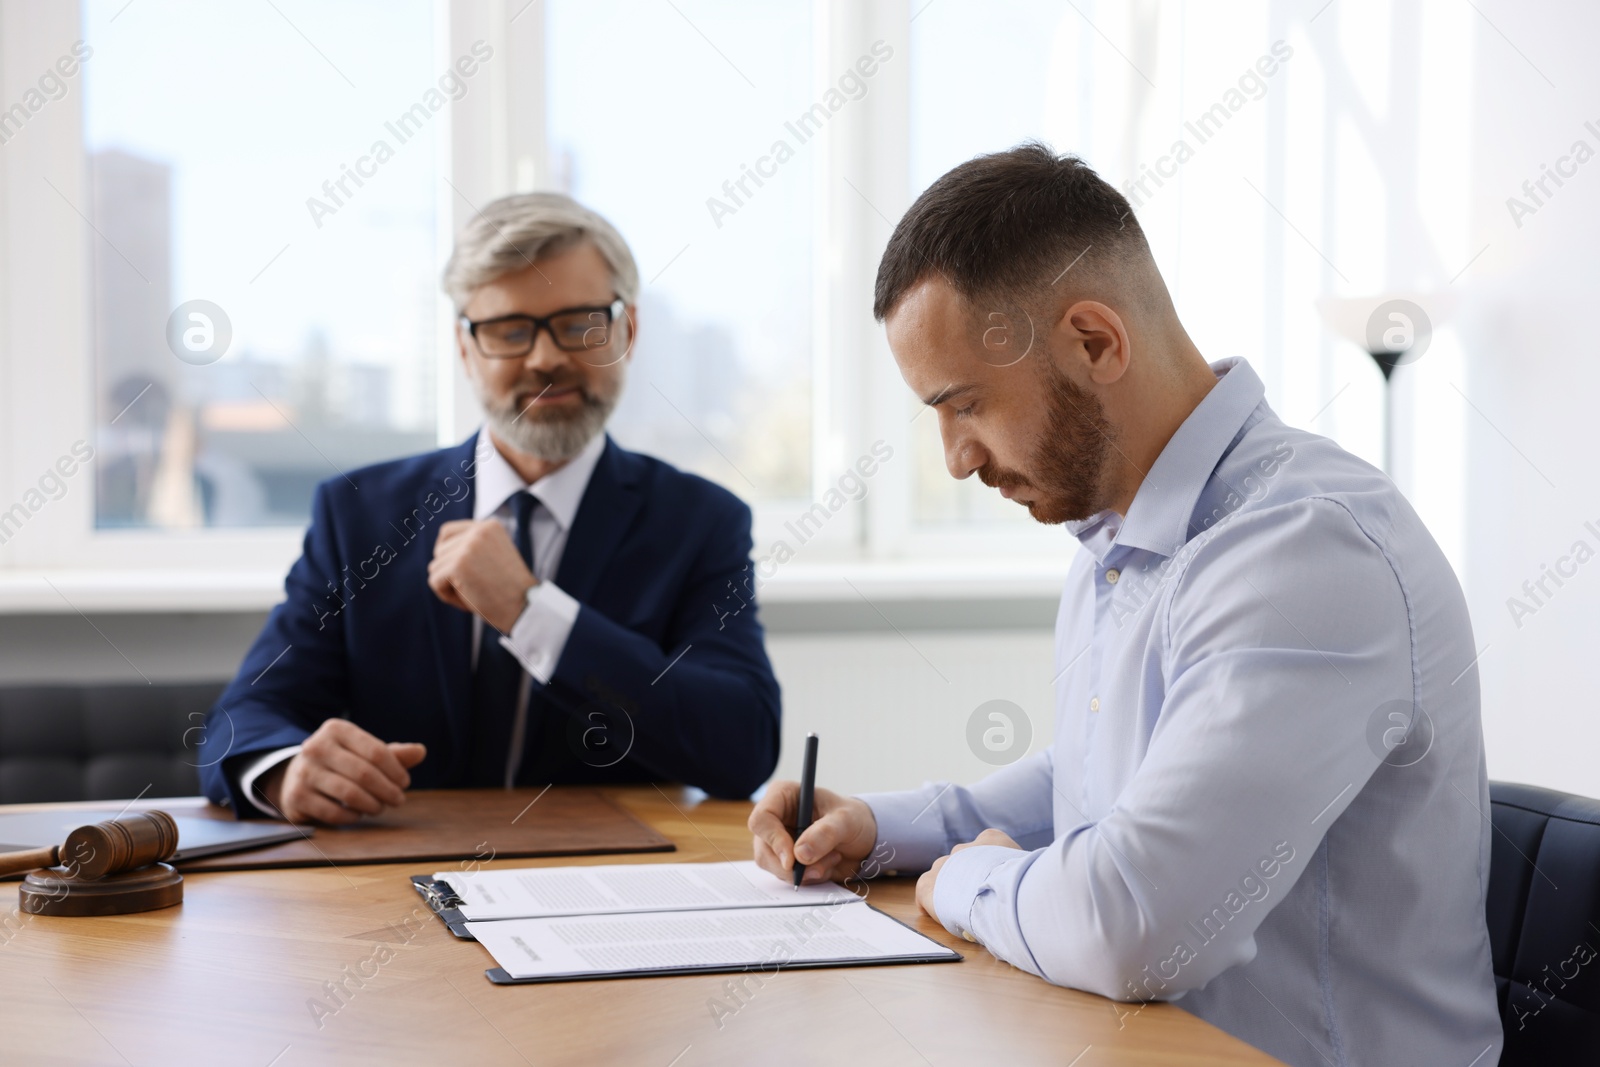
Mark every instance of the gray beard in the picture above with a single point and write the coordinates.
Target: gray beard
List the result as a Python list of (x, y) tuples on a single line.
[(554, 438)]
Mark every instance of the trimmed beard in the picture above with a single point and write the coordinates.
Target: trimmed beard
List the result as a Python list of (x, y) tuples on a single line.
[(1068, 465), (553, 436)]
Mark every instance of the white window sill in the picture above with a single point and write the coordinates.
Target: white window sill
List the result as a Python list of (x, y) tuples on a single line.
[(56, 592), (153, 591)]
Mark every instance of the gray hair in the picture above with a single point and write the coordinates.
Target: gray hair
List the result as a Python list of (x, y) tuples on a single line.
[(512, 232)]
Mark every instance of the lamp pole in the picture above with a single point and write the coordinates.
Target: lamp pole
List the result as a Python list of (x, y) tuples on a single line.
[(1388, 360)]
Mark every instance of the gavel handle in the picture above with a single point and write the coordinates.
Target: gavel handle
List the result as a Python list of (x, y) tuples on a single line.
[(32, 859)]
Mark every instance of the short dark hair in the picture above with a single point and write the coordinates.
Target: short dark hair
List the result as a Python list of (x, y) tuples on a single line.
[(1010, 222)]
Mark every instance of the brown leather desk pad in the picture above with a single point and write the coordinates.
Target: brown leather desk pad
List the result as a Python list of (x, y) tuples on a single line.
[(456, 824)]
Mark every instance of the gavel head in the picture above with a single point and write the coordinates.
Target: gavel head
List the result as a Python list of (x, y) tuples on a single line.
[(118, 845)]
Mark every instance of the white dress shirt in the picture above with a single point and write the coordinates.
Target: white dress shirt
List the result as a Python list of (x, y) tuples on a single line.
[(1234, 814), (541, 631)]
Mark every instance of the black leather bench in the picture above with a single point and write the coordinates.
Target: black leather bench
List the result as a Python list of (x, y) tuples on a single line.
[(101, 742)]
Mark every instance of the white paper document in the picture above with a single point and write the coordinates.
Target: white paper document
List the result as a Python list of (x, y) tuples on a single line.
[(756, 938), (540, 892)]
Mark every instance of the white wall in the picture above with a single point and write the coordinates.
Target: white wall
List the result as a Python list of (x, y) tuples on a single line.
[(887, 719), (1528, 331)]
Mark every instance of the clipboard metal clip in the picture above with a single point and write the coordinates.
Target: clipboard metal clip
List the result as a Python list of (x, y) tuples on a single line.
[(438, 893)]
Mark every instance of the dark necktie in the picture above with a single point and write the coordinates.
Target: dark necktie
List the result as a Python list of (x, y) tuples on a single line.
[(497, 682)]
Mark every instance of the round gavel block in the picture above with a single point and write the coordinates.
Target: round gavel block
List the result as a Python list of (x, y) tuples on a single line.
[(58, 891), (121, 844)]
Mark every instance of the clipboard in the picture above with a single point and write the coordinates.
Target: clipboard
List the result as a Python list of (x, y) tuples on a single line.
[(692, 919), (709, 887), (499, 975)]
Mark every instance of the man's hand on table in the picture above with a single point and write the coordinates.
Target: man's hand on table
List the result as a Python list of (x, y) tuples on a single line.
[(842, 833), (340, 774), (931, 875)]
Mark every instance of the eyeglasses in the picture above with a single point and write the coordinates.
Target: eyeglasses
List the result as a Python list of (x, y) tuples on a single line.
[(581, 329)]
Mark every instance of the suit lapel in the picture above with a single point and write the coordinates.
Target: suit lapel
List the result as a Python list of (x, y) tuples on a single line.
[(609, 505), (451, 628)]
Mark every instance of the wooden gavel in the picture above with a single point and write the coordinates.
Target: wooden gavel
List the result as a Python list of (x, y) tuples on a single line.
[(103, 848), (107, 868)]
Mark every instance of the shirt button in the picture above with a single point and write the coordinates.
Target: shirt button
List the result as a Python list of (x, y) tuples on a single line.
[(1094, 704), (1112, 575), (968, 935)]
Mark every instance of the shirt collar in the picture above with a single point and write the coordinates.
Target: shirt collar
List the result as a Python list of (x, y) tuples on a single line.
[(560, 491), (1158, 519)]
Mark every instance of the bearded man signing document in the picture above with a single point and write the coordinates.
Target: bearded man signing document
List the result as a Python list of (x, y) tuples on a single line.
[(1264, 798)]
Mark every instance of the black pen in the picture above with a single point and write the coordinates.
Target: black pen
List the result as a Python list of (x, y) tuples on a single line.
[(808, 789)]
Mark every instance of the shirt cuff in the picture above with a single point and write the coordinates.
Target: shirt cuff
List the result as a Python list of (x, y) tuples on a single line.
[(255, 769), (540, 633), (960, 881), (912, 825)]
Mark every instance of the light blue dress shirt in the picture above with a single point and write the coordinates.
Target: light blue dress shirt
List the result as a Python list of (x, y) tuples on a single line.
[(1267, 791)]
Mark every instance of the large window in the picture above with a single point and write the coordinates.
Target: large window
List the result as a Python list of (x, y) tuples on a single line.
[(219, 284), (1016, 60), (262, 195), (671, 137)]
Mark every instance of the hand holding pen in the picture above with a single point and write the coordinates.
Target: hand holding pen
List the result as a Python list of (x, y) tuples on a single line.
[(842, 833)]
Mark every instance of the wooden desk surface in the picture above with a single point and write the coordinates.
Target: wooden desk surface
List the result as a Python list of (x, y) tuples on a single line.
[(232, 974)]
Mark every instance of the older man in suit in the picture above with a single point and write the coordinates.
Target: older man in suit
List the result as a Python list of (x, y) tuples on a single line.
[(533, 605)]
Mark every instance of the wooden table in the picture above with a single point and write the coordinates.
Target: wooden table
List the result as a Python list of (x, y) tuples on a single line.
[(232, 975)]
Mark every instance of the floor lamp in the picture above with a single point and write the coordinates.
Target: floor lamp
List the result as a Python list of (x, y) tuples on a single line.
[(1395, 330)]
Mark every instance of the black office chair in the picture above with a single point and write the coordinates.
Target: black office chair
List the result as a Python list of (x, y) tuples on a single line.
[(1544, 924)]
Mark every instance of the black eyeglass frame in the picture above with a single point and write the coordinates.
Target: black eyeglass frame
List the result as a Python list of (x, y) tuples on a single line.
[(611, 311)]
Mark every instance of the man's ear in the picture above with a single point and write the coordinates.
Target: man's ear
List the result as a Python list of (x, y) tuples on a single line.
[(462, 340), (1096, 339)]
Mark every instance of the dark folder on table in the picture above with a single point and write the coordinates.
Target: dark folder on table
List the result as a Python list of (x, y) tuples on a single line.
[(432, 826), (462, 825)]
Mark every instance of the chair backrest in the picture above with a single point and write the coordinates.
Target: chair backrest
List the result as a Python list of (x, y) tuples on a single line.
[(101, 742), (1544, 924)]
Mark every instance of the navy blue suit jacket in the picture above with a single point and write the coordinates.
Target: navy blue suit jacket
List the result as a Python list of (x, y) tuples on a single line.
[(664, 676)]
